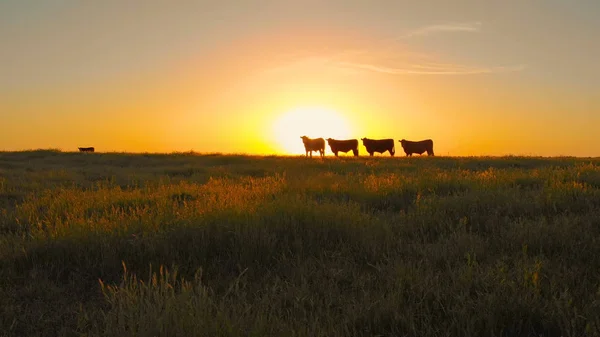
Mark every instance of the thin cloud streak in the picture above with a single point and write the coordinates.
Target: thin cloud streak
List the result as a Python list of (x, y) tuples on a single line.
[(468, 27), (433, 69), (406, 62)]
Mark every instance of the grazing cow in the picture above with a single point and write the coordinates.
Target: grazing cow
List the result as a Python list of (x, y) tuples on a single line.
[(86, 149), (379, 145), (343, 146), (310, 145), (417, 147)]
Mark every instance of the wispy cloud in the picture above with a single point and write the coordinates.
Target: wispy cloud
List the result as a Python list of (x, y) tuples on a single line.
[(410, 66), (469, 27), (395, 57), (432, 69)]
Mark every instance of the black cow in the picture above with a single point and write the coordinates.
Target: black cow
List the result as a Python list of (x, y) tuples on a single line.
[(379, 145), (310, 145), (86, 149), (343, 146), (417, 147)]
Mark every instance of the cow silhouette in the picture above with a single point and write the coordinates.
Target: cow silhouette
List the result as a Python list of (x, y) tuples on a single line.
[(86, 149), (310, 145), (379, 145), (419, 147), (343, 146)]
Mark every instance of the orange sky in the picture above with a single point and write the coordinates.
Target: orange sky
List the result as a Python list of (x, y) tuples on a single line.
[(479, 79)]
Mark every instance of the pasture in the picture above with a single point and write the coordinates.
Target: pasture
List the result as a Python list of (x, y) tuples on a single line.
[(108, 244)]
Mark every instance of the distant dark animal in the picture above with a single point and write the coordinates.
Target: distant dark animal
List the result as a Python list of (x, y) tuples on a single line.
[(86, 149), (343, 146), (417, 147), (310, 145), (379, 145)]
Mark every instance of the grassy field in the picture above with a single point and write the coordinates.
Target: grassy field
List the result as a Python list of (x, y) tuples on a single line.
[(214, 245)]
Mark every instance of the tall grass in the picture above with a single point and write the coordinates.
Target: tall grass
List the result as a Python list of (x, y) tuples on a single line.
[(194, 245)]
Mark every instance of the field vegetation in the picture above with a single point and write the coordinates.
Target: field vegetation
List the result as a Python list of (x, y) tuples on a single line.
[(110, 244)]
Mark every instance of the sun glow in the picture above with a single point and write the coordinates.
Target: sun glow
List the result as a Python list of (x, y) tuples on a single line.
[(313, 122)]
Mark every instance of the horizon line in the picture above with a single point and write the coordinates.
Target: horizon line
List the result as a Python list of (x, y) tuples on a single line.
[(247, 154)]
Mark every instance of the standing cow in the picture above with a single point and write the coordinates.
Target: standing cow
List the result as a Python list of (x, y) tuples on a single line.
[(379, 145), (417, 147), (86, 149), (310, 145), (343, 146)]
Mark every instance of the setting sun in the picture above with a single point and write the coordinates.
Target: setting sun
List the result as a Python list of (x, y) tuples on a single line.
[(313, 122)]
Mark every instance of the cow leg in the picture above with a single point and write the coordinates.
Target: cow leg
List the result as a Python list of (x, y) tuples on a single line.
[(355, 152), (392, 153), (371, 154)]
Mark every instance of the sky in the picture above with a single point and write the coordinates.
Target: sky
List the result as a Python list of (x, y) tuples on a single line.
[(247, 76)]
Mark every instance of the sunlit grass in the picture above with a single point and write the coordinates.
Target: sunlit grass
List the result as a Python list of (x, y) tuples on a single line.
[(212, 245)]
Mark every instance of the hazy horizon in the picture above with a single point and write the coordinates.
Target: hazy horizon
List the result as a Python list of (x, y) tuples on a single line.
[(480, 79), (328, 153)]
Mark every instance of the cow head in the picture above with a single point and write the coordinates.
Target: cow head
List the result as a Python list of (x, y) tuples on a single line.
[(329, 140), (365, 140), (304, 139)]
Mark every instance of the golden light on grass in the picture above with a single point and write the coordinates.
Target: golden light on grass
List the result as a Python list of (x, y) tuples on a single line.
[(313, 122)]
